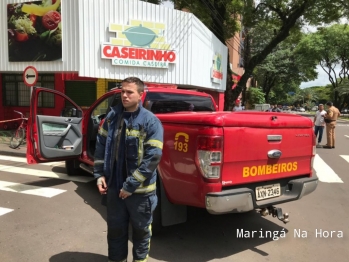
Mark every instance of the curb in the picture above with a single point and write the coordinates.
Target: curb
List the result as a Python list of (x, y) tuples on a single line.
[(6, 150), (18, 154)]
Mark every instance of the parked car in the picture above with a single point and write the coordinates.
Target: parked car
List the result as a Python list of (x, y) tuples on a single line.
[(300, 109), (315, 108), (345, 111)]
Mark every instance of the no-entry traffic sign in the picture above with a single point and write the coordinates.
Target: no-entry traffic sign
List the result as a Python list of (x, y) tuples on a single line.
[(30, 76)]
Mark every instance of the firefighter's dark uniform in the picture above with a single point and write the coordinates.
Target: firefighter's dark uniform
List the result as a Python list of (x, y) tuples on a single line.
[(128, 151)]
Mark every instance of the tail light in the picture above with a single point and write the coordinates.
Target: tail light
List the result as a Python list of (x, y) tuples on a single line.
[(209, 156)]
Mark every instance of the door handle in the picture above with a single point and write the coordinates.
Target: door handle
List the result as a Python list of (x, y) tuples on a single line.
[(65, 131)]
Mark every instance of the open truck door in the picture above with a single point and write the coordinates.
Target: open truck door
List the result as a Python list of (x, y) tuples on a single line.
[(57, 136)]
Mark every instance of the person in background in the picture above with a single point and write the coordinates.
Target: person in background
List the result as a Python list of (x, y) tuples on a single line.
[(237, 106), (128, 151), (275, 109), (330, 119), (319, 123)]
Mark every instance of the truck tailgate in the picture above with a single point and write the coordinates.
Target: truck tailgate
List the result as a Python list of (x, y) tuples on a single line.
[(266, 146)]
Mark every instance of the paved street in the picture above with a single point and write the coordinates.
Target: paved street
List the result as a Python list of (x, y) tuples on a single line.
[(47, 216)]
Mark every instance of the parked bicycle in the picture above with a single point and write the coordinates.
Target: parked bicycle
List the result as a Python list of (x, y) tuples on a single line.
[(20, 134)]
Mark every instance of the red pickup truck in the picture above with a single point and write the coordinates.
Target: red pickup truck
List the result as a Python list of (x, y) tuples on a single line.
[(221, 161)]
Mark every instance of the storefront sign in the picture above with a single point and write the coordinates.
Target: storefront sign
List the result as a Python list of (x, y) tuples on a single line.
[(216, 72), (140, 44)]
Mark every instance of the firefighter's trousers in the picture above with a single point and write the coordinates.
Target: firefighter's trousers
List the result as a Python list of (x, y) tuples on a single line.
[(137, 209)]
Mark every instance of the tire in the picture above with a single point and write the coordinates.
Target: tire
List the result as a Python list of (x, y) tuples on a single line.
[(17, 138), (73, 169)]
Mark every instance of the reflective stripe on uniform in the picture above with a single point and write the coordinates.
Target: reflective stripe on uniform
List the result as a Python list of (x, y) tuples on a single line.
[(146, 189), (141, 147), (155, 143), (102, 132), (137, 175), (99, 162), (141, 137)]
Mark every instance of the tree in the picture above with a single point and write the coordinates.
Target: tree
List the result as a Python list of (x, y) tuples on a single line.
[(329, 47), (255, 95), (282, 16), (282, 70)]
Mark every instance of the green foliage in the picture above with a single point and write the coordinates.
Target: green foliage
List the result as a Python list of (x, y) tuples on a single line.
[(276, 20), (254, 96), (280, 20), (220, 16), (282, 70), (329, 47), (319, 94)]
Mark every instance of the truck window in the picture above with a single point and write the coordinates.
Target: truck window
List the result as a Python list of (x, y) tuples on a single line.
[(163, 103)]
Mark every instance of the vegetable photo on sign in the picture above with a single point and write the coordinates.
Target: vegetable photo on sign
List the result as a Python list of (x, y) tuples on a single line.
[(34, 31)]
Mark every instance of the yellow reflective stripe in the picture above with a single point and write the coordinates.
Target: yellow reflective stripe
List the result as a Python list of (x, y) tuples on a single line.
[(146, 189), (98, 162), (140, 149), (136, 133), (155, 143), (137, 175), (102, 132), (132, 132)]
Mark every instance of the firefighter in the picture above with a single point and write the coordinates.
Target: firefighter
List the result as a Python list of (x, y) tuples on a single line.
[(128, 151)]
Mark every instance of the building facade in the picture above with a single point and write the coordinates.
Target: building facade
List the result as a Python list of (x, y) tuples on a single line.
[(83, 48)]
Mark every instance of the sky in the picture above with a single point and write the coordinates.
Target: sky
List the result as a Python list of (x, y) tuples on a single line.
[(321, 80), (168, 4)]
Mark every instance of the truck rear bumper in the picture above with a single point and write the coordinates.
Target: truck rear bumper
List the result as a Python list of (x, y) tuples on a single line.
[(241, 200)]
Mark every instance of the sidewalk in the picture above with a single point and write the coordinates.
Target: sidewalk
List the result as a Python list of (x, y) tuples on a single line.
[(6, 150)]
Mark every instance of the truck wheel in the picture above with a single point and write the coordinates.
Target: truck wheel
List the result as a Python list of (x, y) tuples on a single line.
[(73, 168)]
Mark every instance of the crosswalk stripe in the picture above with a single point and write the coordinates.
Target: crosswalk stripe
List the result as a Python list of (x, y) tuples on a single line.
[(30, 190), (324, 172), (4, 211), (42, 173), (24, 160), (346, 157)]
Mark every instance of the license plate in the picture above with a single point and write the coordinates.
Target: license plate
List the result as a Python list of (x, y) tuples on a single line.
[(269, 191)]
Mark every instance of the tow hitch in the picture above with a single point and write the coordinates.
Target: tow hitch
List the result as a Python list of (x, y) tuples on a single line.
[(275, 212)]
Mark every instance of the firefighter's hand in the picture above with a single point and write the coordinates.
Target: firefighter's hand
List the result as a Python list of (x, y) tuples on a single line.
[(124, 194), (102, 185)]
